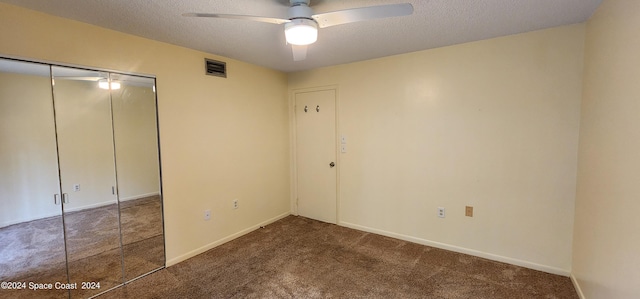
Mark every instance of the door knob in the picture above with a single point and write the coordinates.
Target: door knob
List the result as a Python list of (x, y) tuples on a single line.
[(332, 164)]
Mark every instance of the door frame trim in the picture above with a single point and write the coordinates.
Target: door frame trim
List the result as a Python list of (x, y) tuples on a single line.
[(293, 148), (72, 65)]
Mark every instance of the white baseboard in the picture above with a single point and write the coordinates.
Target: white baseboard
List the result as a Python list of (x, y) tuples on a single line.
[(139, 196), (91, 206), (58, 213), (490, 256), (576, 285), (37, 217), (226, 239)]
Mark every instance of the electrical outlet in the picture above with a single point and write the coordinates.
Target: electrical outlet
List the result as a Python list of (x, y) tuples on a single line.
[(468, 211), (235, 203), (207, 215), (76, 187), (441, 212)]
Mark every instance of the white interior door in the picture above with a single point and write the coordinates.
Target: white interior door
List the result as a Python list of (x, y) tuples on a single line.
[(316, 154)]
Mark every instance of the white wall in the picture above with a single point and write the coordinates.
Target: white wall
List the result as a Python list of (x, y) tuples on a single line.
[(220, 140), (606, 247), (492, 124)]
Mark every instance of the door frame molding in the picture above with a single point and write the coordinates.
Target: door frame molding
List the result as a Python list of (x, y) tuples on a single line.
[(293, 147), (75, 66)]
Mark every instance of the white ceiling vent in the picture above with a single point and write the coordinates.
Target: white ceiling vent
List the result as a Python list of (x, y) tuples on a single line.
[(215, 68)]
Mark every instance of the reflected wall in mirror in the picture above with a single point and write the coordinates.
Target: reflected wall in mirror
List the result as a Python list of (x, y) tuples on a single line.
[(31, 233), (138, 172), (88, 178), (79, 178)]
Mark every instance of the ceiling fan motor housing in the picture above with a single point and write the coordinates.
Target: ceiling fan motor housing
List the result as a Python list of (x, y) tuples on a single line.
[(298, 2), (300, 11)]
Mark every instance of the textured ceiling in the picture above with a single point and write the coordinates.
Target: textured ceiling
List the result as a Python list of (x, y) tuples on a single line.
[(435, 23)]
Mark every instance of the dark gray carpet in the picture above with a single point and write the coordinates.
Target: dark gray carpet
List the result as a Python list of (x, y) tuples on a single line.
[(302, 258)]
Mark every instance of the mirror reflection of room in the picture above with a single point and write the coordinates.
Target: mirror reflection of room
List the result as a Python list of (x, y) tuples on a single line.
[(31, 229), (79, 170), (87, 176), (136, 148)]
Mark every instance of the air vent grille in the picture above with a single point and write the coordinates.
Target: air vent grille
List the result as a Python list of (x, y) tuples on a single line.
[(215, 68)]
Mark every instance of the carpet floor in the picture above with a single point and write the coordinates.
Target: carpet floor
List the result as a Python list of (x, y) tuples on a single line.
[(34, 251), (301, 258)]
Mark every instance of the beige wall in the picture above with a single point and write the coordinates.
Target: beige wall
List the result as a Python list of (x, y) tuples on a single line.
[(28, 161), (606, 247), (492, 124), (85, 143), (136, 142), (210, 127)]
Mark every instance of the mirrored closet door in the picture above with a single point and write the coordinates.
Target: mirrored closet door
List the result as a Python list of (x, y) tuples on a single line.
[(88, 178), (32, 247), (138, 172), (80, 172)]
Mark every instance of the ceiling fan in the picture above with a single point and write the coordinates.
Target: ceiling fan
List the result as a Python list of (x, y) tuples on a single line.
[(301, 28)]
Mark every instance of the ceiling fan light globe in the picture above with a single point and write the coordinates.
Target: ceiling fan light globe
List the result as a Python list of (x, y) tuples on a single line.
[(103, 84), (301, 32)]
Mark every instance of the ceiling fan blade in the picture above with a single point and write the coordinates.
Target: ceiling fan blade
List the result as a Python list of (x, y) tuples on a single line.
[(362, 14), (240, 17), (299, 52)]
